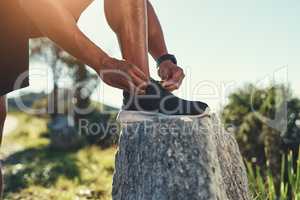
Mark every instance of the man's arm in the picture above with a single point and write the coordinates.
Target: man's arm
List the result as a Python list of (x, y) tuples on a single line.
[(58, 24), (168, 71), (156, 40)]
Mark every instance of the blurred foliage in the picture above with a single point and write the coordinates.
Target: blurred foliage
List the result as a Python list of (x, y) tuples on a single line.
[(263, 188), (265, 121), (34, 171), (73, 85), (68, 72), (102, 128)]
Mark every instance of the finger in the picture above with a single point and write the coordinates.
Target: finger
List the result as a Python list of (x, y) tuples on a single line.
[(123, 86), (138, 82), (176, 79), (140, 73), (134, 85), (132, 89), (141, 92), (168, 83), (173, 85), (180, 79), (163, 74), (172, 88), (177, 76), (130, 83), (121, 82)]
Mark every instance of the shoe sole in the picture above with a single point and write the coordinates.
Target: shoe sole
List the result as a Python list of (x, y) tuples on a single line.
[(125, 116)]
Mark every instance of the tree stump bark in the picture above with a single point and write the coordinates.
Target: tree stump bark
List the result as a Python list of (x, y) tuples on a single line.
[(178, 159)]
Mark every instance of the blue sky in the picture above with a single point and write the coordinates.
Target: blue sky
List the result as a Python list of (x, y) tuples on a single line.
[(219, 43)]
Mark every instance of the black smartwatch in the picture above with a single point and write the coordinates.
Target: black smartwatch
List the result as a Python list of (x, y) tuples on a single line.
[(166, 57)]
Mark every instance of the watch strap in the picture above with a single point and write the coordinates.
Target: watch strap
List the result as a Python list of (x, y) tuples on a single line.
[(166, 57)]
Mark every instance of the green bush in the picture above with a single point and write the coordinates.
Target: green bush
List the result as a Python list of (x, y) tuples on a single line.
[(260, 140)]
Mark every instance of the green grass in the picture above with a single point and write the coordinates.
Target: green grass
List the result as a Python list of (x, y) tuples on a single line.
[(34, 171), (263, 187)]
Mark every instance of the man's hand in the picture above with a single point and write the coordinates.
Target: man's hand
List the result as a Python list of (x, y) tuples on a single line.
[(171, 74), (123, 75)]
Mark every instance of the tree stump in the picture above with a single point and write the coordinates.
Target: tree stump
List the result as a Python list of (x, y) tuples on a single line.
[(178, 158)]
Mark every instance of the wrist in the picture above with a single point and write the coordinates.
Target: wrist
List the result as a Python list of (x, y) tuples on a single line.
[(166, 58), (105, 61)]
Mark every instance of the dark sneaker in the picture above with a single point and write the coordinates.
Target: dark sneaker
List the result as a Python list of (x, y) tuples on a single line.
[(159, 100)]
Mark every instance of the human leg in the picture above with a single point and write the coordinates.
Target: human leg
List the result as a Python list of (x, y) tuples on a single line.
[(128, 19)]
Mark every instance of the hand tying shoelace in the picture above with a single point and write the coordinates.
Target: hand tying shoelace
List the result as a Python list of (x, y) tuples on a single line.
[(159, 100)]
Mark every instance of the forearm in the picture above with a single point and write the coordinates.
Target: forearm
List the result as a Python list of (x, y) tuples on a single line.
[(59, 25), (157, 44)]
